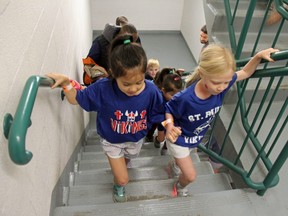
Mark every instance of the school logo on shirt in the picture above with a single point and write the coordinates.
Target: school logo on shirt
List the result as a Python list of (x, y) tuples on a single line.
[(127, 122), (207, 117)]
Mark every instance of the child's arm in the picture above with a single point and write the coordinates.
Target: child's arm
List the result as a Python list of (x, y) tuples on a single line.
[(251, 66), (64, 82), (172, 132)]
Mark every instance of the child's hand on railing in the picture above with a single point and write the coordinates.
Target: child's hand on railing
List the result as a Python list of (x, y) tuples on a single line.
[(60, 79), (266, 54)]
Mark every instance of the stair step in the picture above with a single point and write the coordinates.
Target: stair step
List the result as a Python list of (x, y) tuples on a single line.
[(217, 203), (216, 18), (265, 41), (135, 174), (135, 162), (93, 145), (217, 11), (143, 190), (145, 152)]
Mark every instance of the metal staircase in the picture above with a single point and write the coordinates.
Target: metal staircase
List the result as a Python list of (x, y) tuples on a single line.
[(149, 191)]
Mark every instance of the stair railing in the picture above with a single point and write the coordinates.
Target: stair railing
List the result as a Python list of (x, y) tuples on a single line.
[(253, 123), (15, 129), (238, 43)]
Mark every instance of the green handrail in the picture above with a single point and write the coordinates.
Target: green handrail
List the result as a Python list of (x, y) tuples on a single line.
[(15, 129), (252, 124), (279, 7)]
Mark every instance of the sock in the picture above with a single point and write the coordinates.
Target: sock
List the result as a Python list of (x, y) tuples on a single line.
[(179, 185)]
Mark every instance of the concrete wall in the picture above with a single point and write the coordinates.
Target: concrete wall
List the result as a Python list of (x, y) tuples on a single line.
[(37, 37)]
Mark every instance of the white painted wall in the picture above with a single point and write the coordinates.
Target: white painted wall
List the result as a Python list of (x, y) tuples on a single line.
[(186, 16), (36, 37), (145, 15), (192, 20)]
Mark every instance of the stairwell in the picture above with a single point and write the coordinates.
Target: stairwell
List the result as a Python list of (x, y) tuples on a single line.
[(149, 191)]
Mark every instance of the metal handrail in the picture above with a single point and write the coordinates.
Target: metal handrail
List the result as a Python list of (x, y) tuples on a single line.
[(281, 10), (242, 107), (15, 129)]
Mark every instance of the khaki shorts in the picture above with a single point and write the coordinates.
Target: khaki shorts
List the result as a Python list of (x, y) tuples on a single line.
[(177, 151), (117, 150)]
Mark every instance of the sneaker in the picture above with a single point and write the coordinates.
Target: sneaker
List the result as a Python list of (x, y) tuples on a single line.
[(119, 194), (173, 169), (179, 191)]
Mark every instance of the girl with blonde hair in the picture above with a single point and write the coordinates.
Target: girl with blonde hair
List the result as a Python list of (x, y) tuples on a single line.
[(190, 112)]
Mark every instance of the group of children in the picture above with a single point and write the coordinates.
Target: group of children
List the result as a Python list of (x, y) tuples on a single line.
[(128, 105)]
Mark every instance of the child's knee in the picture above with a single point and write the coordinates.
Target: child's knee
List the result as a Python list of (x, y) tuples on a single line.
[(122, 181), (191, 177)]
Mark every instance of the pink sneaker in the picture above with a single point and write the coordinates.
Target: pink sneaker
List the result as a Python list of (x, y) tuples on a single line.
[(179, 191)]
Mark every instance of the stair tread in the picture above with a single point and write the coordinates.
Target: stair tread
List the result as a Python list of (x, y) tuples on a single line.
[(135, 174), (93, 145), (102, 163), (266, 38), (215, 203), (241, 10), (150, 189), (144, 152)]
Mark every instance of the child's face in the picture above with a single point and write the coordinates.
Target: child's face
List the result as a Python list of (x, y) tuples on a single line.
[(132, 83), (214, 85), (152, 71)]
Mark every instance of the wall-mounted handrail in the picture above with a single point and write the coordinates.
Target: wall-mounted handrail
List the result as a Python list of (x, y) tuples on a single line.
[(15, 129)]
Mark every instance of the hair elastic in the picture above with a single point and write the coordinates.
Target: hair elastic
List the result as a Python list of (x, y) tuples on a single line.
[(172, 70), (127, 41)]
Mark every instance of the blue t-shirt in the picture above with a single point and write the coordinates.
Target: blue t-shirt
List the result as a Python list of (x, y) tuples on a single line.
[(194, 115), (121, 118)]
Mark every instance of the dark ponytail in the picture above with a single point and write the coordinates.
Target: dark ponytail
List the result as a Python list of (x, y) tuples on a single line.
[(125, 55)]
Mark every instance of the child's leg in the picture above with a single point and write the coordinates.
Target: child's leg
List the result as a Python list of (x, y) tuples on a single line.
[(188, 172), (184, 161), (149, 136), (160, 136), (118, 155), (119, 170), (115, 155), (160, 140)]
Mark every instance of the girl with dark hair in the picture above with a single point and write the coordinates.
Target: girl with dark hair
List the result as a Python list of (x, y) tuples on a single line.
[(126, 105)]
